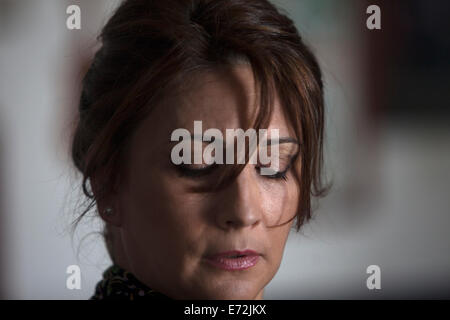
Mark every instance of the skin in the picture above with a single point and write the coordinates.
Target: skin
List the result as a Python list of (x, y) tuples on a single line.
[(163, 230)]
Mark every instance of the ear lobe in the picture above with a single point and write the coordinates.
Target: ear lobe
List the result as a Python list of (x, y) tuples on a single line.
[(110, 215), (106, 200)]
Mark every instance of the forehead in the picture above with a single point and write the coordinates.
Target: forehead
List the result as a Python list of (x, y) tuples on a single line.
[(224, 99)]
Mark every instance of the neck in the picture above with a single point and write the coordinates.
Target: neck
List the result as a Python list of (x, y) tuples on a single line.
[(118, 254)]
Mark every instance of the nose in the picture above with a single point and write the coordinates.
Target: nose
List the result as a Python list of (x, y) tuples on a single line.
[(239, 205)]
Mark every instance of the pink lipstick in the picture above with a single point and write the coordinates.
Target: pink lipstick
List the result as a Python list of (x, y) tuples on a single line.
[(234, 260)]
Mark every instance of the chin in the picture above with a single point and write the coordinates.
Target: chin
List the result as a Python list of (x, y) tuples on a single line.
[(228, 292)]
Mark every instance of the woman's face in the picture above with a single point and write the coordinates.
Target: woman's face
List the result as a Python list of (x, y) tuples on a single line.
[(168, 231)]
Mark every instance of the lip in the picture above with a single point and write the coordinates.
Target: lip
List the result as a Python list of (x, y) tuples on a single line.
[(225, 261)]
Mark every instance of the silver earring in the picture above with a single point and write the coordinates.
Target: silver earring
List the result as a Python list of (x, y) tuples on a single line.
[(108, 211)]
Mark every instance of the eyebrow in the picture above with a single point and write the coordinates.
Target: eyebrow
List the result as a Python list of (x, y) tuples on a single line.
[(283, 140), (269, 141), (288, 140)]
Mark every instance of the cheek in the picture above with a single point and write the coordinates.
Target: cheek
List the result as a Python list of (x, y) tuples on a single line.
[(279, 200), (279, 203), (156, 210)]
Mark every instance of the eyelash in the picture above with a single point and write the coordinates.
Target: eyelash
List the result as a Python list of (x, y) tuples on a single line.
[(194, 173), (280, 175)]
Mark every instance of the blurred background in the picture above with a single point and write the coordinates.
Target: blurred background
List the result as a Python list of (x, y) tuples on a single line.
[(387, 152)]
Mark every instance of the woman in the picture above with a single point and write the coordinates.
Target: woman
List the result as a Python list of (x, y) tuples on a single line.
[(202, 230)]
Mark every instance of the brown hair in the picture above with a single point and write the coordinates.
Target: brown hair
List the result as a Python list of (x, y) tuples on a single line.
[(151, 46)]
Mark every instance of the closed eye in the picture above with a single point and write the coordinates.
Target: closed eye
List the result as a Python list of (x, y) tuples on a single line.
[(276, 174), (196, 170)]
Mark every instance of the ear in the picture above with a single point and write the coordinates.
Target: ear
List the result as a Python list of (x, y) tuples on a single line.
[(107, 198)]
